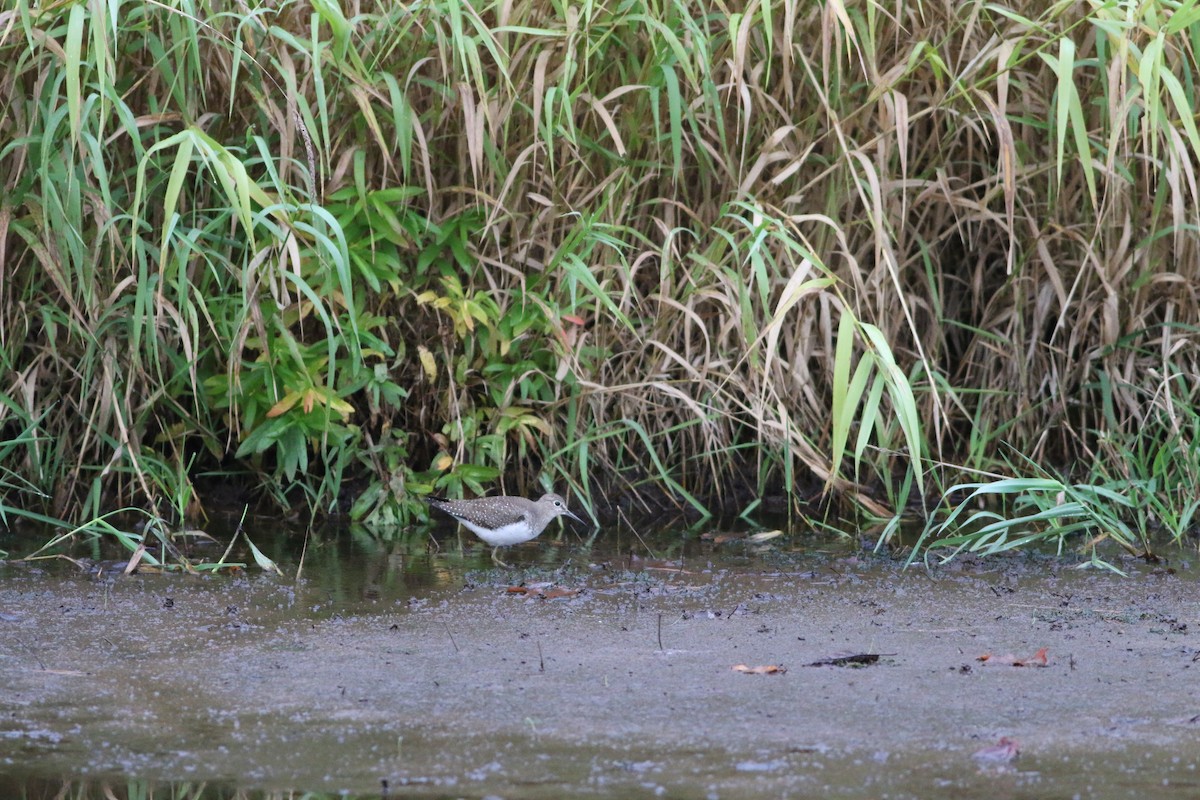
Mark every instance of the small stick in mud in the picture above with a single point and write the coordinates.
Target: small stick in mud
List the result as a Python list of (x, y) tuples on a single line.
[(451, 635)]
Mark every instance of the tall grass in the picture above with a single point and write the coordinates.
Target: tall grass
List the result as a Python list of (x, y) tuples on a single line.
[(674, 251)]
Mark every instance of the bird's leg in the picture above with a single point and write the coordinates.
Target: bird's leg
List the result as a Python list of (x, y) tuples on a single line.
[(496, 557)]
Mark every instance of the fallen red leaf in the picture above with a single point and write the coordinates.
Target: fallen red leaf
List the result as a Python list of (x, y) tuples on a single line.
[(767, 669), (1004, 751), (1038, 659)]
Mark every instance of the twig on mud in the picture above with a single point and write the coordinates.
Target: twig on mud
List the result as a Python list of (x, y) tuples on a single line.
[(621, 515), (853, 660), (451, 635), (32, 652), (660, 647)]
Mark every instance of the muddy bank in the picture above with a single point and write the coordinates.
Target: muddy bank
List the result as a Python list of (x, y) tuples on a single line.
[(624, 688)]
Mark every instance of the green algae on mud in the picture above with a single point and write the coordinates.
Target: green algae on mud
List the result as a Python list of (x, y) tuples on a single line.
[(410, 668)]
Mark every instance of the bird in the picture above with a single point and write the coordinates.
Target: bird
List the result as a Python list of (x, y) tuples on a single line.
[(502, 521)]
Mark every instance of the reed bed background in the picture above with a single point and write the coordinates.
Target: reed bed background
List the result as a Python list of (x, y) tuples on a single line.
[(668, 251)]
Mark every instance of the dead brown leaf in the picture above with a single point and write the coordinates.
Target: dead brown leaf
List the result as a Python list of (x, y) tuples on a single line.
[(544, 591), (722, 538)]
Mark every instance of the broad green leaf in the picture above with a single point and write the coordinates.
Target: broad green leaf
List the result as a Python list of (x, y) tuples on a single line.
[(74, 52), (841, 417)]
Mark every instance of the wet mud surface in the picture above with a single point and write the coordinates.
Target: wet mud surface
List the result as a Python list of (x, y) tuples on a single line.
[(444, 682)]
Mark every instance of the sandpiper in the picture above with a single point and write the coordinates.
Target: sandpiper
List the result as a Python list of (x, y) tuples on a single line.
[(503, 521)]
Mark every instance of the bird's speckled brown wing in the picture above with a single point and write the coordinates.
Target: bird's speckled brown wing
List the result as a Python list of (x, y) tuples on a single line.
[(488, 512)]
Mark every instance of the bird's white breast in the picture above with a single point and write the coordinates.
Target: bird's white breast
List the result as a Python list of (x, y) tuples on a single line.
[(512, 533)]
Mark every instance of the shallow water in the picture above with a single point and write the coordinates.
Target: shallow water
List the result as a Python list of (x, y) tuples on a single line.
[(555, 774), (410, 660)]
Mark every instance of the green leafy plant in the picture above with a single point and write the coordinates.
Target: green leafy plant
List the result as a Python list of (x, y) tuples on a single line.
[(669, 252), (1034, 511)]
